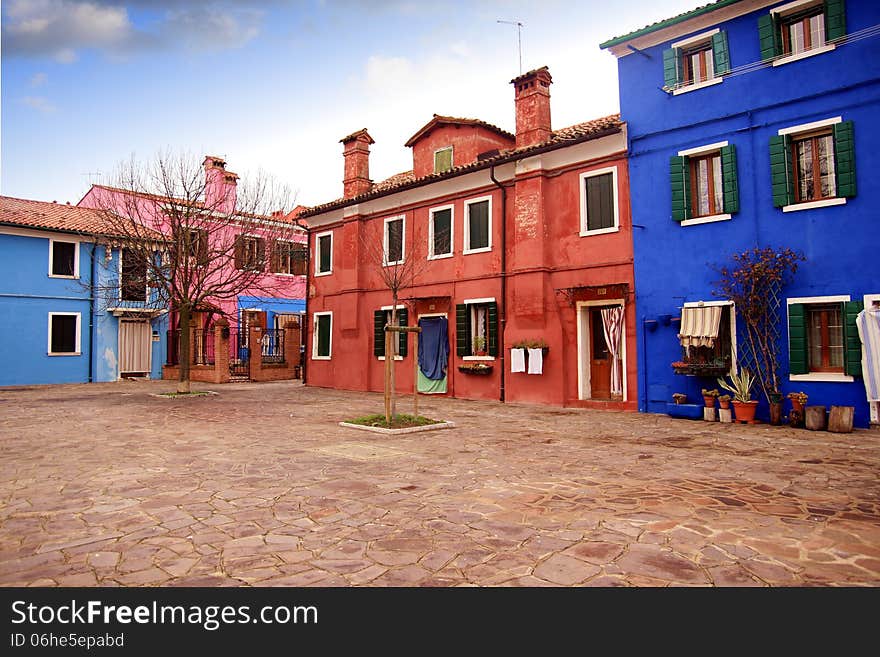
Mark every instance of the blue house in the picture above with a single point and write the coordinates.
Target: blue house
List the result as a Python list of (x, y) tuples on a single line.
[(753, 123), (73, 309)]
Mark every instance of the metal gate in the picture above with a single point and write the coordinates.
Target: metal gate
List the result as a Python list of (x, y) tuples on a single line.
[(239, 355)]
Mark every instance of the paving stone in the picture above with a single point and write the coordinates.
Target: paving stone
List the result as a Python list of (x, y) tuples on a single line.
[(565, 570), (596, 552), (658, 563)]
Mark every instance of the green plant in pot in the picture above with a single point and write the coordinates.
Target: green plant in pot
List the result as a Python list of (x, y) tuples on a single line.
[(741, 387), (479, 346)]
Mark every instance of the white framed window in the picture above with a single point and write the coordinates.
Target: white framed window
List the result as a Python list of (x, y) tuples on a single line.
[(817, 345), (441, 222), (723, 351), (443, 159), (800, 29), (696, 62), (64, 334), (598, 195), (322, 340), (478, 319), (478, 225), (393, 240), (132, 276), (63, 259), (324, 253)]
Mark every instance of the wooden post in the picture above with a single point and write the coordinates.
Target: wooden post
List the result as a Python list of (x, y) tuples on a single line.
[(815, 418), (841, 419), (389, 358), (416, 374)]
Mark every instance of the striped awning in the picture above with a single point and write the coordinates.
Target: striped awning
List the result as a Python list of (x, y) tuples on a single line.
[(699, 326)]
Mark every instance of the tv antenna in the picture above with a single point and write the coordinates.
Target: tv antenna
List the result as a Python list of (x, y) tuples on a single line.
[(519, 27), (91, 175)]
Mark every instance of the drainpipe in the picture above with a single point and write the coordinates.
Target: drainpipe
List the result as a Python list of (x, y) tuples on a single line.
[(503, 318), (92, 313), (304, 327)]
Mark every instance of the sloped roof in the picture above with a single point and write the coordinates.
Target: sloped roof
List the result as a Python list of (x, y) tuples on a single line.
[(439, 120), (59, 217), (574, 134), (659, 25)]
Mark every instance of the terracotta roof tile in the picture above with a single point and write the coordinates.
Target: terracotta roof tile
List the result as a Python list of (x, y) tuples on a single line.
[(53, 216), (558, 139)]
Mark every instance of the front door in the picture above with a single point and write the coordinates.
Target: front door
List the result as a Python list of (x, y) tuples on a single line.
[(134, 347), (600, 358)]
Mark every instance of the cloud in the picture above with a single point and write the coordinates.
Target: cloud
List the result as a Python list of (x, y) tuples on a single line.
[(61, 29), (39, 103), (39, 79)]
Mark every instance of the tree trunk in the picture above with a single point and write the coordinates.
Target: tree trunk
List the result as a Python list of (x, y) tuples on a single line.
[(183, 350), (394, 336)]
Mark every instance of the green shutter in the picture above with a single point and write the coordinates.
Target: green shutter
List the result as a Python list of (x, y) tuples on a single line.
[(852, 355), (680, 183), (798, 362), (729, 180), (835, 19), (720, 53), (323, 335), (378, 333), (845, 159), (402, 318), (670, 67), (768, 36), (780, 171), (462, 330), (492, 328)]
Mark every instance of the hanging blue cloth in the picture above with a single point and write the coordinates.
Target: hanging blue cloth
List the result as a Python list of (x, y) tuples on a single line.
[(434, 347)]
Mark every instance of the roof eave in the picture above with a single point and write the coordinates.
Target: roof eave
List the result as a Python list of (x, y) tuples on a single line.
[(669, 22)]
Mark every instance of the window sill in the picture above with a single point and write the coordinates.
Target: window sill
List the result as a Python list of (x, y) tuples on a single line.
[(699, 85), (600, 231), (828, 202), (828, 47), (393, 264), (64, 353), (440, 257), (483, 250), (282, 274), (383, 358), (320, 357), (71, 278), (711, 219), (323, 273), (479, 358), (828, 377)]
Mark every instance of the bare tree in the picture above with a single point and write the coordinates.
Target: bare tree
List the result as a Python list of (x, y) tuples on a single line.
[(398, 264), (195, 237)]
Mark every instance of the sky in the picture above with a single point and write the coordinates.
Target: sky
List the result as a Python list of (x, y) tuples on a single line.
[(273, 86)]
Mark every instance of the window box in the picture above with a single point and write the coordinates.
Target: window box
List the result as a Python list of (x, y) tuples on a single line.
[(475, 368), (701, 369)]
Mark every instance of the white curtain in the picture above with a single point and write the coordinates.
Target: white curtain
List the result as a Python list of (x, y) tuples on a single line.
[(134, 346), (612, 323)]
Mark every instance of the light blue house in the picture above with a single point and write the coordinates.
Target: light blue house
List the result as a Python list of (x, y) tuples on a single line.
[(754, 123), (64, 317)]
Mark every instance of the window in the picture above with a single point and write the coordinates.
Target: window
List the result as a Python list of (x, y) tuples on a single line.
[(133, 284), (440, 232), (443, 159), (64, 334), (708, 337), (198, 245), (476, 328), (696, 62), (323, 336), (599, 201), (380, 319), (813, 165), (289, 258), (704, 184), (393, 240), (324, 255), (250, 253), (63, 259), (823, 341), (801, 28), (478, 225)]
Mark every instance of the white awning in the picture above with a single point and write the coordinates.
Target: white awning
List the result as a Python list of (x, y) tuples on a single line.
[(699, 325)]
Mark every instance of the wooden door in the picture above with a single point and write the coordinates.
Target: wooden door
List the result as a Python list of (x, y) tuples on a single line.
[(134, 347), (600, 358)]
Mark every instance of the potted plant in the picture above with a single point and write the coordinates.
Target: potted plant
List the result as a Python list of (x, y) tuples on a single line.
[(475, 368), (724, 401), (741, 387), (679, 397), (775, 399), (479, 346), (709, 397), (798, 403)]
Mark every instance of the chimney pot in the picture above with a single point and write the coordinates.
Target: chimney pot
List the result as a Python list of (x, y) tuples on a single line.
[(356, 152)]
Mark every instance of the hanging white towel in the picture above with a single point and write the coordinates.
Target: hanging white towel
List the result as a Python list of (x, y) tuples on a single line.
[(536, 361), (517, 360), (868, 325)]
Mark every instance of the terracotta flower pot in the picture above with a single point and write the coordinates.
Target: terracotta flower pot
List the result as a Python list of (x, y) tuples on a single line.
[(776, 413), (709, 401), (745, 411), (725, 404)]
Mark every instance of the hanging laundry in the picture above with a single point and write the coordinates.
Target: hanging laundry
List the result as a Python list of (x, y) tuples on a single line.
[(434, 347), (517, 360), (868, 325), (536, 361)]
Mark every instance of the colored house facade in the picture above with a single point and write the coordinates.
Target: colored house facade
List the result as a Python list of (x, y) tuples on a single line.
[(753, 124), (514, 240), (60, 320), (276, 295)]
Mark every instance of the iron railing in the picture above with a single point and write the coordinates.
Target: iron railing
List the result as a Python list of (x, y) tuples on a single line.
[(272, 346), (201, 349)]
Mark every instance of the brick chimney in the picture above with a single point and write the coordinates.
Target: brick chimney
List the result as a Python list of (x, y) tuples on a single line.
[(220, 185), (357, 163), (532, 107)]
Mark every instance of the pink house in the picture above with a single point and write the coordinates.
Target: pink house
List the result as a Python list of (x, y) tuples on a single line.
[(276, 294)]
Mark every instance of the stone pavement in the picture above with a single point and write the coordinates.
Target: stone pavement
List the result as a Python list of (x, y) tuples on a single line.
[(107, 485)]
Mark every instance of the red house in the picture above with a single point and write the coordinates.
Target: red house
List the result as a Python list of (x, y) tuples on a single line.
[(520, 241)]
